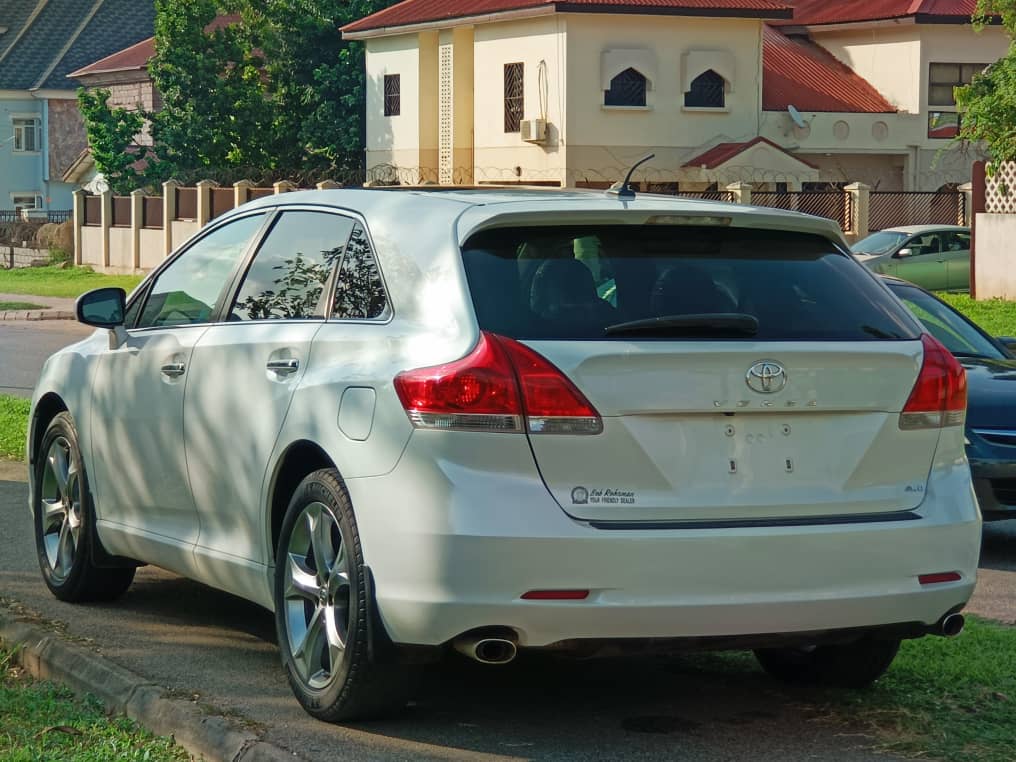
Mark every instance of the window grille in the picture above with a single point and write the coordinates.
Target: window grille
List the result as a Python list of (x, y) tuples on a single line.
[(393, 94), (514, 96), (707, 91), (626, 89)]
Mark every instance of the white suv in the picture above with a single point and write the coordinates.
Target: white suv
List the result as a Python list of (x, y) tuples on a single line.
[(487, 421)]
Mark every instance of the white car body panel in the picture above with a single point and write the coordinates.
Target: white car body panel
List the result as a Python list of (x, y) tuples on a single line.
[(455, 526)]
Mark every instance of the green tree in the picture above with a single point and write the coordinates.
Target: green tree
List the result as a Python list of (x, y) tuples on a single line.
[(988, 103), (276, 94), (112, 136)]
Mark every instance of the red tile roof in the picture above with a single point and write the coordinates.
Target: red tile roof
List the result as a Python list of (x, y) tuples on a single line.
[(724, 152), (816, 12), (137, 56), (797, 72), (130, 59), (422, 11)]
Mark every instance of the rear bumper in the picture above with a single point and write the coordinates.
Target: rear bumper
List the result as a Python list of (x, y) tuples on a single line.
[(454, 542)]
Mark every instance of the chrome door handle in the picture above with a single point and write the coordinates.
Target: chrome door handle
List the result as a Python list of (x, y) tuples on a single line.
[(283, 366), (174, 369)]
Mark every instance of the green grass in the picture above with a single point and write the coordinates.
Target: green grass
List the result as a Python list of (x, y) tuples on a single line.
[(5, 306), (953, 699), (13, 426), (40, 721), (68, 282), (948, 699), (995, 316)]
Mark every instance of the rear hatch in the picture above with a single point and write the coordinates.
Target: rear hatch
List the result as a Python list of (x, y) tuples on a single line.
[(740, 374)]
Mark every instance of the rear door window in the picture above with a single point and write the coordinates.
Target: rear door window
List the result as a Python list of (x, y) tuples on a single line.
[(702, 282)]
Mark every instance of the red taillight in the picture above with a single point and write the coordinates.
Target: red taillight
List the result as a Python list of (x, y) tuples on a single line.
[(476, 393), (552, 403), (939, 397), (556, 595), (492, 389), (939, 578)]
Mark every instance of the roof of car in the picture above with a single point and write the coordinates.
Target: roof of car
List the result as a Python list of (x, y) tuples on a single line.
[(912, 229), (472, 208)]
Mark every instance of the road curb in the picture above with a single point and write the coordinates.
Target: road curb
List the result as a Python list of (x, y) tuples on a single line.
[(37, 315), (47, 656)]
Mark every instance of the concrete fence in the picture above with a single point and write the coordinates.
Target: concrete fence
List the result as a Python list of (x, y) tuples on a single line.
[(127, 234), (130, 234)]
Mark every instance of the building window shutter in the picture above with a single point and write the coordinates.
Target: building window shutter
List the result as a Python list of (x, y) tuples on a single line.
[(707, 91), (626, 89), (393, 94), (514, 96)]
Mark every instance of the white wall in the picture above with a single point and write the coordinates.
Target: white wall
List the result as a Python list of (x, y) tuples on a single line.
[(536, 43), (393, 139), (889, 58), (667, 123), (121, 255), (994, 273)]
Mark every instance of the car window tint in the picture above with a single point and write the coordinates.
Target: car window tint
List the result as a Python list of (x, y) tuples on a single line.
[(574, 283), (955, 241), (942, 322), (286, 280), (359, 290), (191, 288)]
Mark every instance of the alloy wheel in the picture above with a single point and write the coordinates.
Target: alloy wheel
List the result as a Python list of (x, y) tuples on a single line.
[(317, 596), (61, 509)]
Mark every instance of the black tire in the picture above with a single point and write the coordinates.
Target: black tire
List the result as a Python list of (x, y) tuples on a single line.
[(852, 665), (58, 516), (331, 685)]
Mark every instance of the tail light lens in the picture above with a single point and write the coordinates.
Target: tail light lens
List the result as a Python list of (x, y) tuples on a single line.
[(939, 397), (497, 387)]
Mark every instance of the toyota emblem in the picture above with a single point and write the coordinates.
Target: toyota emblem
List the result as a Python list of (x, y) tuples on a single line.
[(766, 377)]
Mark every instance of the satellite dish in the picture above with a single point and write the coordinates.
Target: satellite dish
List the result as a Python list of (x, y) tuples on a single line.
[(795, 117)]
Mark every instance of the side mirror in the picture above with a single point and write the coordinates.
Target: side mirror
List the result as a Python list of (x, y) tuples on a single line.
[(903, 253), (1009, 342), (102, 308)]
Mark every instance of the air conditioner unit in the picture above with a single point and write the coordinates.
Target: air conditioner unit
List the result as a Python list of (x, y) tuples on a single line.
[(534, 130)]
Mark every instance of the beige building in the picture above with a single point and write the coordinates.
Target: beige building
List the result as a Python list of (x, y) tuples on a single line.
[(780, 95)]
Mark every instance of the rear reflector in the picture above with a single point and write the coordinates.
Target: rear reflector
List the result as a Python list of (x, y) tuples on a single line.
[(497, 387), (556, 595), (939, 397), (939, 578)]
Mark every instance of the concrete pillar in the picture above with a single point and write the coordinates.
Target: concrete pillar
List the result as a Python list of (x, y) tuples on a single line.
[(106, 202), (204, 202), (241, 192), (967, 189), (284, 186), (741, 191), (79, 222), (861, 194), (328, 185), (168, 215), (137, 223)]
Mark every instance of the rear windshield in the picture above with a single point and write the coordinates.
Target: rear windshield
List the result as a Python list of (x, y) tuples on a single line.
[(667, 281)]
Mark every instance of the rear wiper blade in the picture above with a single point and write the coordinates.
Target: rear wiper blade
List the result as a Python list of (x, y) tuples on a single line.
[(704, 325)]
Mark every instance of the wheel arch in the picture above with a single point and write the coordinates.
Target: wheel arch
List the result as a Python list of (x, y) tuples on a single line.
[(46, 409), (300, 459)]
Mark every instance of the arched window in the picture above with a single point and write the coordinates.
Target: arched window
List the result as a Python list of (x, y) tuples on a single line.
[(707, 91), (626, 89)]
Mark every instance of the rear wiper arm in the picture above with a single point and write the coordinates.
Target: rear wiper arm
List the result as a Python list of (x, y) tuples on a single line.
[(704, 325)]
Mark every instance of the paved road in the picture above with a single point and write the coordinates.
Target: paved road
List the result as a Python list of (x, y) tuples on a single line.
[(207, 644), (24, 347)]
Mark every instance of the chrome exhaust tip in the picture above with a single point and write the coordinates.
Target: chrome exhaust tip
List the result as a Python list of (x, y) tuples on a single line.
[(952, 625), (486, 649)]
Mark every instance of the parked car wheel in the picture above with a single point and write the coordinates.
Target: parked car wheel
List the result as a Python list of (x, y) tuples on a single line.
[(853, 665), (64, 532), (321, 609)]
